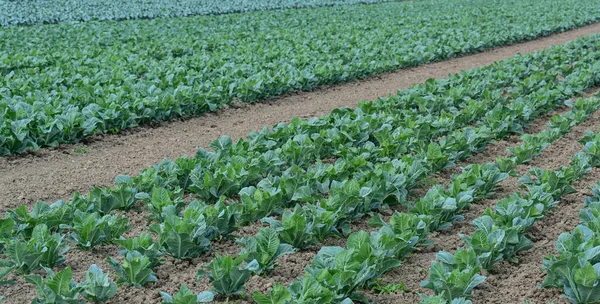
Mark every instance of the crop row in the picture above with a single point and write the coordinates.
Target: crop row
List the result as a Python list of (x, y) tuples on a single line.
[(336, 273), (575, 269), (390, 127), (141, 254), (14, 13), (435, 211), (81, 79), (500, 232), (188, 233)]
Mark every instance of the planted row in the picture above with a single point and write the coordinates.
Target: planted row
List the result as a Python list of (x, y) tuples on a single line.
[(89, 78), (501, 232), (185, 236), (16, 13), (205, 222), (436, 211), (574, 270), (232, 167), (200, 223)]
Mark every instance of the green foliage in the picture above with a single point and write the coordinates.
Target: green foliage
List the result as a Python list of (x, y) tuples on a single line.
[(401, 236), (294, 228), (442, 300), (144, 245), (454, 276), (253, 70), (388, 288), (228, 275), (220, 220), (28, 13), (41, 250), (482, 179), (186, 296), (277, 295), (97, 287), (162, 202), (575, 269), (55, 288), (439, 208), (92, 229), (121, 197), (258, 203), (52, 216), (183, 237), (135, 269), (494, 244), (265, 248)]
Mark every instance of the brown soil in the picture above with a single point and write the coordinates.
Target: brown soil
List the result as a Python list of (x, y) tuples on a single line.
[(53, 174)]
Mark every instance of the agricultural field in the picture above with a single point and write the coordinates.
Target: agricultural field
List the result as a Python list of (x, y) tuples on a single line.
[(62, 83), (479, 185), (16, 13)]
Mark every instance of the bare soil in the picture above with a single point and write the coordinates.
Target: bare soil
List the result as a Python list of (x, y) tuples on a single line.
[(53, 174)]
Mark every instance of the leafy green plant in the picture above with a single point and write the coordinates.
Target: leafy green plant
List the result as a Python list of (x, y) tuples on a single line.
[(556, 182), (97, 287), (162, 202), (343, 270), (294, 228), (7, 229), (121, 197), (220, 220), (439, 208), (81, 150), (401, 236), (574, 269), (92, 229), (454, 276), (277, 295), (494, 244), (134, 270), (144, 245), (41, 250), (55, 288), (578, 278), (523, 153), (228, 275), (186, 296), (381, 288), (595, 197), (482, 179), (183, 237), (265, 248), (442, 300), (258, 203), (51, 215), (507, 165)]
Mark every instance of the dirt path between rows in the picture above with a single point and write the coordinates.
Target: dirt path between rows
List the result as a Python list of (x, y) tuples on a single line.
[(53, 174)]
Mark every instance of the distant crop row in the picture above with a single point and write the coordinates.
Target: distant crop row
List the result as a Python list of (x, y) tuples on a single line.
[(61, 83), (286, 179), (28, 12)]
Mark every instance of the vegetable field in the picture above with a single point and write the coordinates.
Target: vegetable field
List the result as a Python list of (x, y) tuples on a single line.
[(62, 83), (480, 187), (55, 11)]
